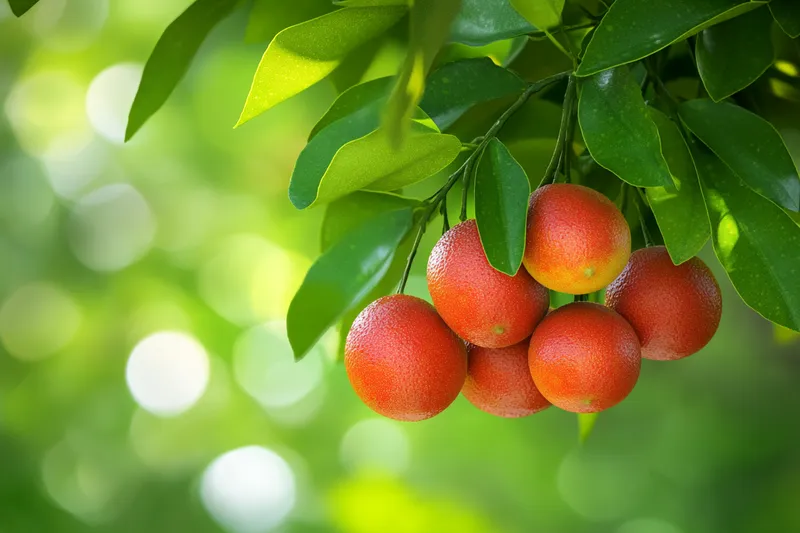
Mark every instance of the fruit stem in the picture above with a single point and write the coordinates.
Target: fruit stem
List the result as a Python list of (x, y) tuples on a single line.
[(648, 241), (429, 206), (581, 298), (566, 112)]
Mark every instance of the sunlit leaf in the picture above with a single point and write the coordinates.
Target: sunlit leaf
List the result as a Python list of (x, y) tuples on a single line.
[(343, 276), (681, 214), (749, 145), (302, 55), (268, 17), (754, 239), (618, 130), (455, 87), (426, 37), (501, 207), (20, 7), (586, 422), (544, 14), (353, 99), (732, 55), (371, 3), (172, 56), (633, 29), (787, 15), (480, 22)]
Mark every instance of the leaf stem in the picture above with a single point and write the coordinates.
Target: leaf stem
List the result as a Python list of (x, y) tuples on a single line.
[(543, 33), (429, 206), (566, 112)]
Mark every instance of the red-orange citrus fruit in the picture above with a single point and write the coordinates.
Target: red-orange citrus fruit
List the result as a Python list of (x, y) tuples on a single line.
[(499, 381), (482, 305), (675, 310), (577, 240), (584, 357), (402, 359)]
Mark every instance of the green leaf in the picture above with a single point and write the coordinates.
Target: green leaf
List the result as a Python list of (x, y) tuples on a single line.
[(371, 3), (302, 55), (681, 214), (371, 162), (343, 276), (543, 14), (20, 7), (501, 207), (787, 15), (172, 56), (749, 145), (618, 131), (372, 93), (756, 242), (268, 17), (481, 22), (315, 158), (348, 212), (633, 29), (426, 37), (734, 54), (586, 422), (455, 87), (533, 155)]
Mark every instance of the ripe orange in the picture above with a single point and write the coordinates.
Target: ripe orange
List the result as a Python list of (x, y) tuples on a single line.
[(402, 359), (499, 381), (584, 357), (675, 310), (577, 240), (482, 305)]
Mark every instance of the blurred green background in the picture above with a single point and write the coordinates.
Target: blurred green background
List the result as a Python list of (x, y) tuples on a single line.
[(146, 382)]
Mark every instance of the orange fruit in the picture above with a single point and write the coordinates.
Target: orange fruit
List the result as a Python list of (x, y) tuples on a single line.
[(499, 381), (402, 359), (577, 240), (482, 305), (584, 357), (675, 310)]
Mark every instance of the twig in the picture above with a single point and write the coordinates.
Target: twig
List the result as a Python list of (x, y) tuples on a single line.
[(566, 111)]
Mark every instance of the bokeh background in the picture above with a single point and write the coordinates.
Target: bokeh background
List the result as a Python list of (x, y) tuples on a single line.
[(146, 382)]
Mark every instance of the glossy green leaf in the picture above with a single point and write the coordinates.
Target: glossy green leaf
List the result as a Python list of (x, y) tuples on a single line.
[(734, 54), (787, 15), (633, 29), (371, 93), (343, 276), (20, 7), (544, 14), (301, 55), (681, 214), (501, 207), (349, 212), (455, 87), (748, 144), (481, 22), (315, 158), (618, 131), (373, 163), (371, 3), (755, 241), (172, 56), (586, 422), (426, 37), (268, 17)]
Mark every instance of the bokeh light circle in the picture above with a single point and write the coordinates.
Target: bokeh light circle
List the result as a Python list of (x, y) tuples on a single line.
[(167, 373), (38, 320), (248, 490), (111, 227), (376, 445), (109, 99)]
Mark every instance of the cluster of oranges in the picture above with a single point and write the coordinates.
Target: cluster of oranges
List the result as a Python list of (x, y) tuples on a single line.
[(491, 337)]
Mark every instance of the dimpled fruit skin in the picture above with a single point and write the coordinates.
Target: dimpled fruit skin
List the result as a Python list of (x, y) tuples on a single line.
[(584, 357), (675, 310), (482, 305), (402, 359), (577, 240), (499, 381)]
